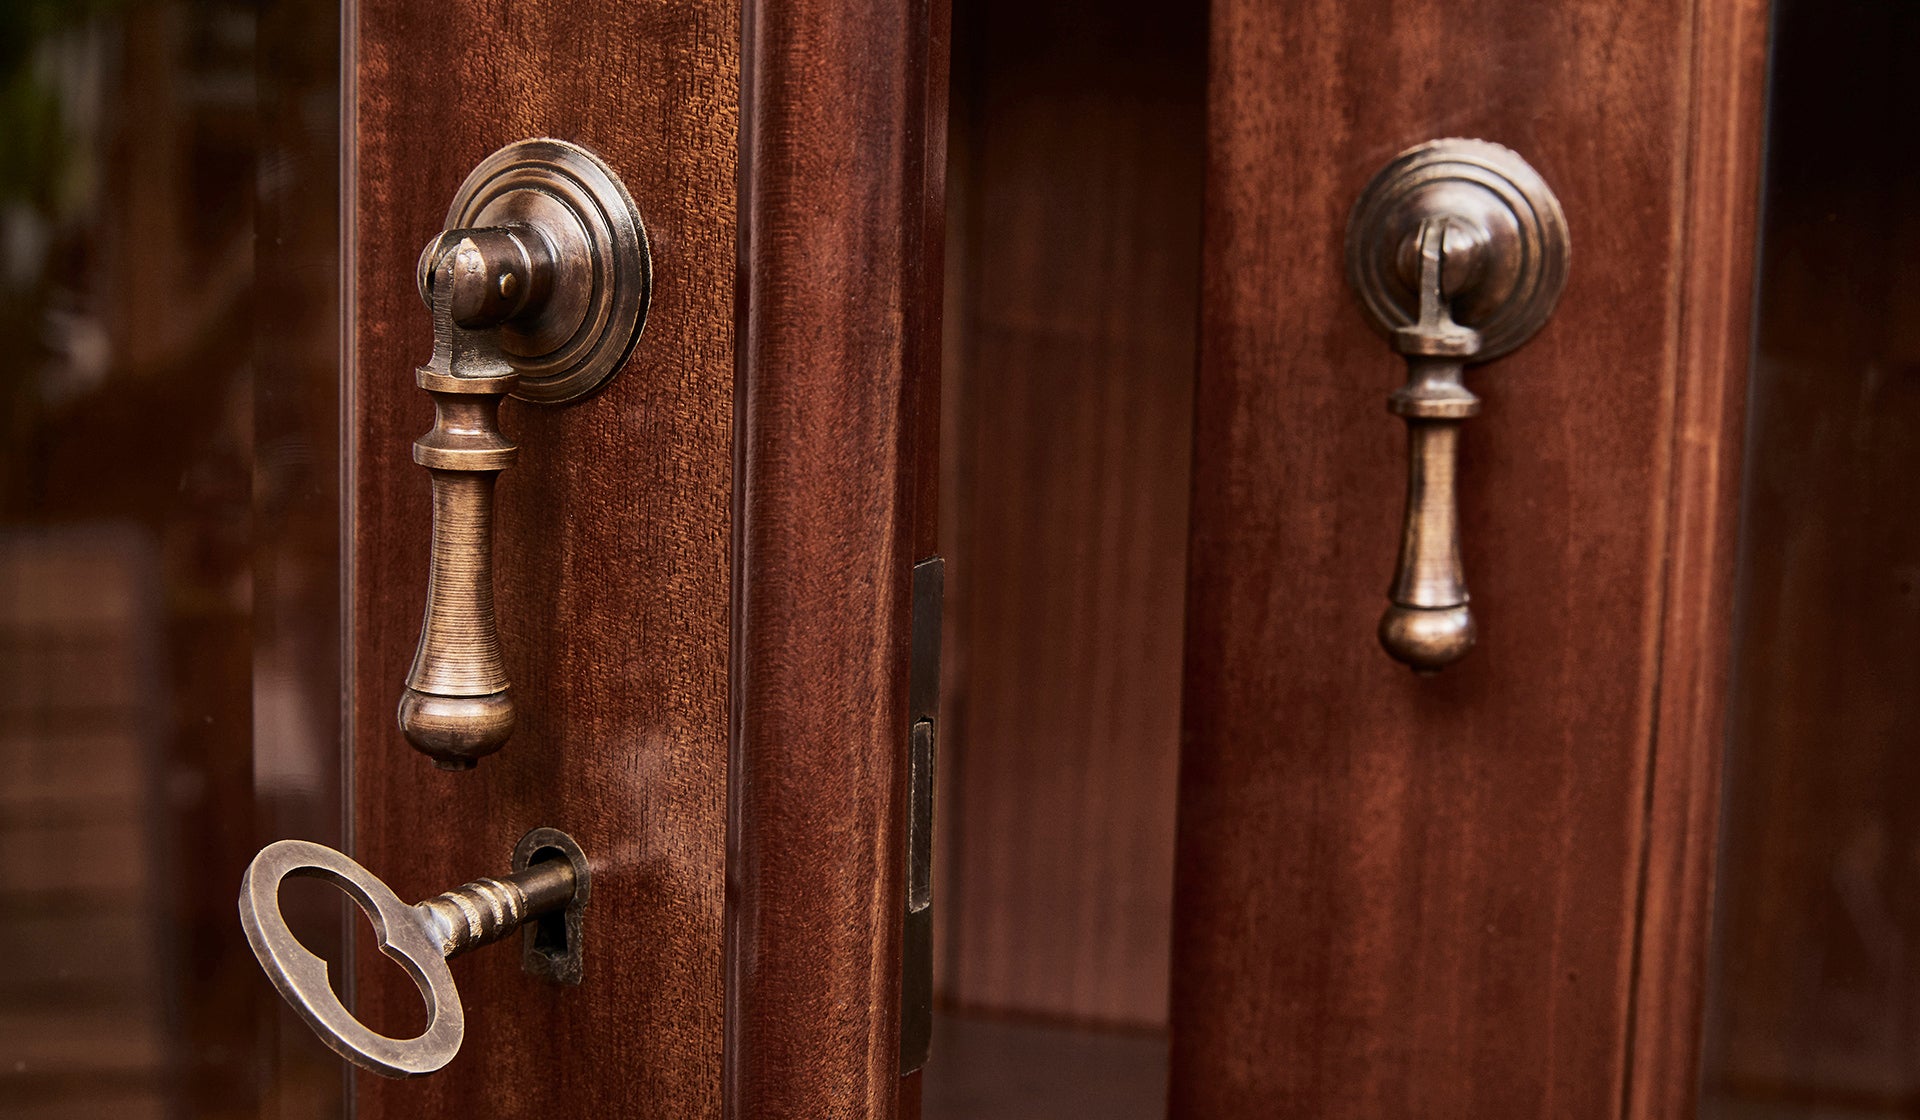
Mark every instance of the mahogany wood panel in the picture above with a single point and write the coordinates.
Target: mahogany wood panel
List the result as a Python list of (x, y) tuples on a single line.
[(613, 554), (1713, 305), (842, 128), (1080, 131), (1815, 984), (1481, 893)]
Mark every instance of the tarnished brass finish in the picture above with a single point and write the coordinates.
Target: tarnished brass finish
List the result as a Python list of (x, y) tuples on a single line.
[(422, 938), (573, 337), (456, 708), (554, 947), (512, 273), (546, 303), (1459, 252)]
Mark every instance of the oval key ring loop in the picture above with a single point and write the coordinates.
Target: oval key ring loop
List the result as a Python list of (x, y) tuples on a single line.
[(301, 976)]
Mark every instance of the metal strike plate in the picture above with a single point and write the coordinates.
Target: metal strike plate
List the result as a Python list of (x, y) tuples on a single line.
[(923, 716)]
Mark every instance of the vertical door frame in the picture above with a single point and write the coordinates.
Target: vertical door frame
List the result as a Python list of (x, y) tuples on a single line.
[(1714, 297), (791, 883), (843, 132)]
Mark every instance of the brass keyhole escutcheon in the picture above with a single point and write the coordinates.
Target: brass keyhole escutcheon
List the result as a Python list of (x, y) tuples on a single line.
[(1458, 252), (538, 287)]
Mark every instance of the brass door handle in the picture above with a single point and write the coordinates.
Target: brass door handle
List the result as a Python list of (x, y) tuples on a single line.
[(1459, 251), (551, 878), (539, 289)]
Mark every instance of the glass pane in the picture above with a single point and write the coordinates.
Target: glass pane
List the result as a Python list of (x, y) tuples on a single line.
[(1076, 157), (1814, 1009), (169, 542)]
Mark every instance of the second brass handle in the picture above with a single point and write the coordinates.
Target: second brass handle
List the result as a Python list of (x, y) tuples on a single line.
[(1427, 623), (1459, 251), (539, 289)]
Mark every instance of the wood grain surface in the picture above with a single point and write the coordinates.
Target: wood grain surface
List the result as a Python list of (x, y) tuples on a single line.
[(613, 554), (840, 330), (1482, 893), (1079, 141), (1712, 302)]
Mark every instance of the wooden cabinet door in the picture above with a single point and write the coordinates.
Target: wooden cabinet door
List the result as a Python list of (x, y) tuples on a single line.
[(1485, 892), (702, 572)]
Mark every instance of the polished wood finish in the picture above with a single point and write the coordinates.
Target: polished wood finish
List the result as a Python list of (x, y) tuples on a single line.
[(615, 525), (1714, 305), (718, 547), (840, 328), (1075, 253), (1481, 894)]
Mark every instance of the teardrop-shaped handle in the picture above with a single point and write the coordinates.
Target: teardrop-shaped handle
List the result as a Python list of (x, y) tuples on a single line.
[(1428, 624), (1459, 252), (539, 289), (456, 706)]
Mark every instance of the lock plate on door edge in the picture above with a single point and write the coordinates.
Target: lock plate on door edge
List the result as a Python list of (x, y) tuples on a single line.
[(923, 718)]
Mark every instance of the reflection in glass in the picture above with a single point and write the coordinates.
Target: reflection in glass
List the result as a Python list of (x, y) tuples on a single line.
[(169, 575), (1814, 1008)]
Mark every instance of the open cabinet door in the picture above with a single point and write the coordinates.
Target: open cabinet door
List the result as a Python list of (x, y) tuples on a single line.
[(703, 570), (1483, 892), (1477, 892)]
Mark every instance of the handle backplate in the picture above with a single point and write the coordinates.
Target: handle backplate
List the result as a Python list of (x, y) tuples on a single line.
[(1458, 251), (1509, 288), (569, 343)]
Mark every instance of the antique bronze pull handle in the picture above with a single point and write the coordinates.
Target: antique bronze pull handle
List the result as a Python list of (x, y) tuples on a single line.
[(1459, 252), (550, 878), (539, 289)]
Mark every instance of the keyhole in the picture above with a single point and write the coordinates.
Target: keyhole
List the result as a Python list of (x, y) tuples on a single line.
[(550, 930)]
